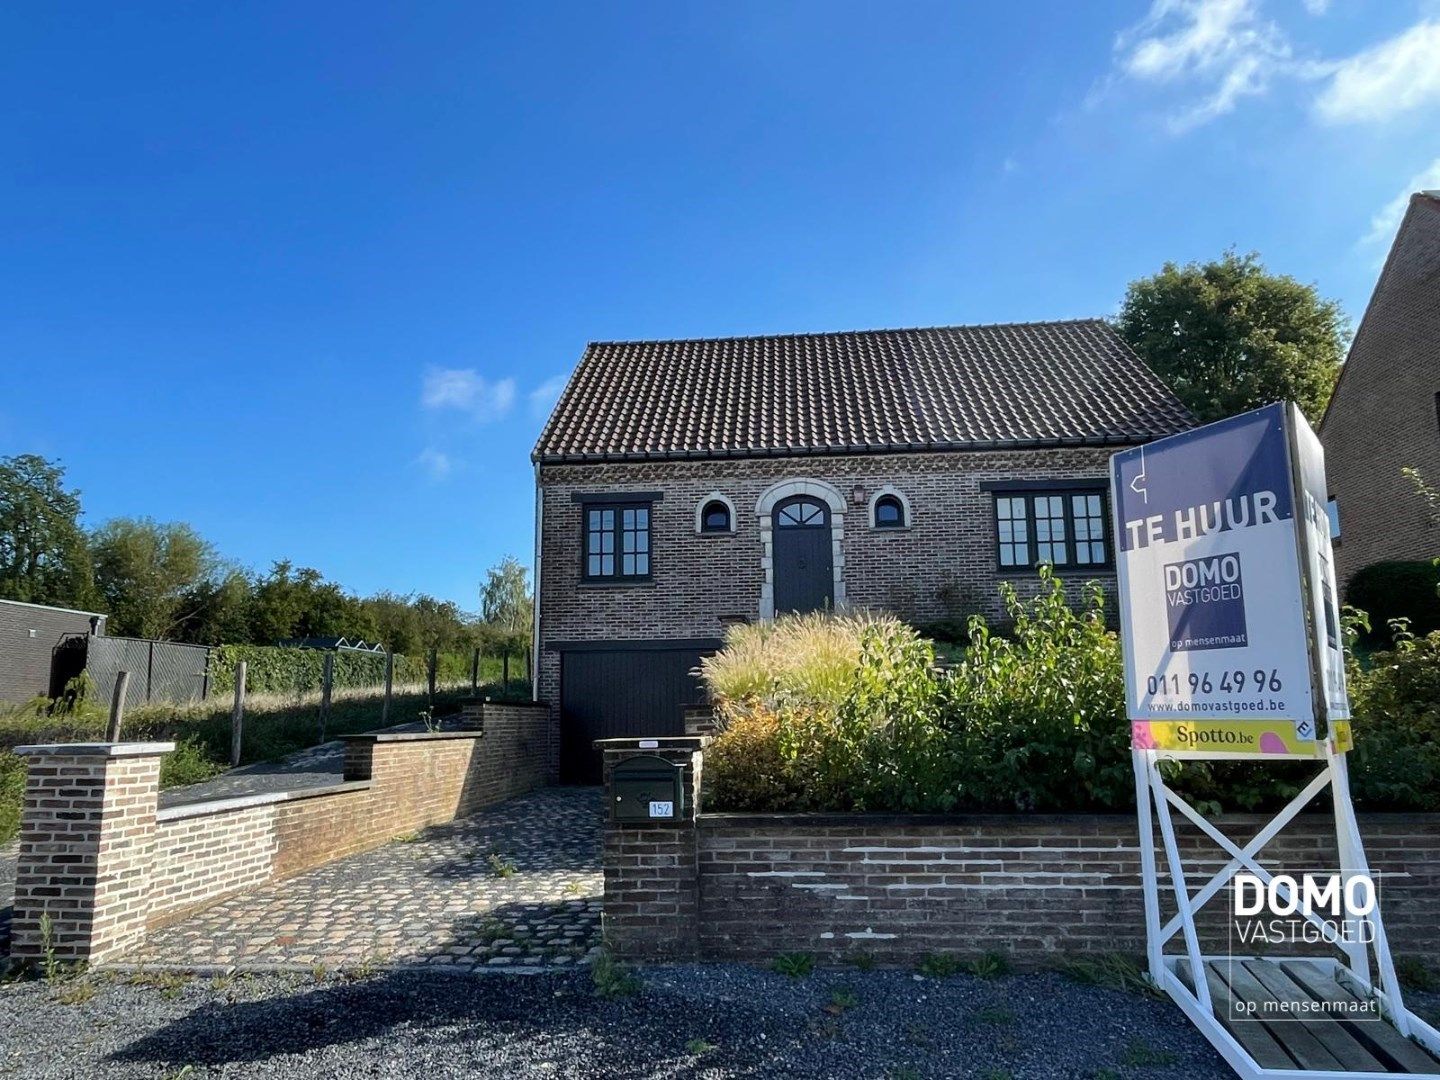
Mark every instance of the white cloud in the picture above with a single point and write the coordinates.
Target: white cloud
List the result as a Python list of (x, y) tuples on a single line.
[(1384, 223), (1317, 7), (1221, 47), (1395, 76), (435, 462), (544, 395), (464, 389)]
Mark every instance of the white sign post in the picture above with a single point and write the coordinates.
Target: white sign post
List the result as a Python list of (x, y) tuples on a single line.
[(1230, 623)]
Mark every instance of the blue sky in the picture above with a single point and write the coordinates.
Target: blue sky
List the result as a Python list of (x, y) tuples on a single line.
[(308, 276)]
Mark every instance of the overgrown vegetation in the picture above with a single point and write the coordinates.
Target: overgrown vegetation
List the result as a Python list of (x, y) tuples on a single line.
[(851, 713), (275, 725)]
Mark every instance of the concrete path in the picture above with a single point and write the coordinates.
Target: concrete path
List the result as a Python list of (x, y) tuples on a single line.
[(518, 885)]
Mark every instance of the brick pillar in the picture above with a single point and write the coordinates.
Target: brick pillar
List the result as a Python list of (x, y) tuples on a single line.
[(652, 877), (87, 835)]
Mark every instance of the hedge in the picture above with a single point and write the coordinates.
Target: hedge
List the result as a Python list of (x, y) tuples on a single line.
[(276, 669)]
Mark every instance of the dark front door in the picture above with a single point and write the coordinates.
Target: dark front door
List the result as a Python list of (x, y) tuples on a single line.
[(610, 690), (804, 572)]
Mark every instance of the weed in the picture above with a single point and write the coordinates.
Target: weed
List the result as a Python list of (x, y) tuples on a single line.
[(49, 964), (319, 972), (904, 1072), (76, 993), (222, 981), (1139, 1053), (841, 998), (1105, 1074), (367, 967), (795, 964), (612, 979), (169, 983), (501, 866), (997, 1014), (1114, 971), (180, 1073), (408, 838), (938, 965), (698, 1047), (574, 888), (991, 965), (1415, 974), (862, 961)]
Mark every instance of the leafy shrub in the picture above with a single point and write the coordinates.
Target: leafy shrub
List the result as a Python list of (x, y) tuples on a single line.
[(746, 769), (1396, 703), (1397, 590)]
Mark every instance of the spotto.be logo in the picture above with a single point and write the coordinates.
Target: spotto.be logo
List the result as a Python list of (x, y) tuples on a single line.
[(1301, 910), (1205, 601)]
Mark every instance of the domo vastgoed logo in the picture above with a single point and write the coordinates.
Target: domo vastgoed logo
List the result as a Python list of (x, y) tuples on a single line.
[(1205, 601)]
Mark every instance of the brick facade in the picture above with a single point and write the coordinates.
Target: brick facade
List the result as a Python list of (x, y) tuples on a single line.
[(941, 566), (1385, 413), (106, 864)]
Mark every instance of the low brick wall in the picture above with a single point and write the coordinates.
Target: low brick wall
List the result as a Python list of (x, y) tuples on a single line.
[(1034, 887), (98, 856)]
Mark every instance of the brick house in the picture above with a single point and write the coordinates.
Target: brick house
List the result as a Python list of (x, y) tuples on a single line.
[(1385, 412), (683, 486)]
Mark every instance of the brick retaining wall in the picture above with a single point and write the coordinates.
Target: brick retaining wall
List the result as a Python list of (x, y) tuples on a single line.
[(97, 855), (1034, 887)]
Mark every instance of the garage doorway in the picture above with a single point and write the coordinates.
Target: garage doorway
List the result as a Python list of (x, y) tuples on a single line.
[(623, 689)]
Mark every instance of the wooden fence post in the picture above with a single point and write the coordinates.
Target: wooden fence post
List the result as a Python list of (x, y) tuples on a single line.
[(327, 681), (505, 668), (389, 686), (237, 714), (117, 706), (475, 674), (434, 660)]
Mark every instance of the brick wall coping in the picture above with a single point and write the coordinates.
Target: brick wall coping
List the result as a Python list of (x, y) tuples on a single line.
[(506, 704), (102, 750), (902, 820), (410, 736), (669, 742), (242, 802)]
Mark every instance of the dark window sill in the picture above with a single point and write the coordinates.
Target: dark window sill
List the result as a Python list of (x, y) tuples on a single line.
[(715, 533), (619, 583), (883, 529)]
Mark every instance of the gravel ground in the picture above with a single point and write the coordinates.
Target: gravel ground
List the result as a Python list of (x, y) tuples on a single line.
[(720, 1020)]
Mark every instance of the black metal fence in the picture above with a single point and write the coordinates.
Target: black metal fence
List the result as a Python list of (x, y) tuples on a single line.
[(159, 670)]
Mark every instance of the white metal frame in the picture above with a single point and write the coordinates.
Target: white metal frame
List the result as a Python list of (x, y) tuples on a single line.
[(1155, 801)]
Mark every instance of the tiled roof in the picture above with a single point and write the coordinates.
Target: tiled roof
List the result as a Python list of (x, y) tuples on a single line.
[(872, 391)]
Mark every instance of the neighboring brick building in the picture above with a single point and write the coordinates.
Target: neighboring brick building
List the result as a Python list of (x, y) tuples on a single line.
[(688, 485), (28, 636), (1385, 413)]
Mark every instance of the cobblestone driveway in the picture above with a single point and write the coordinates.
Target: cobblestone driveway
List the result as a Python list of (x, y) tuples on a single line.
[(446, 897)]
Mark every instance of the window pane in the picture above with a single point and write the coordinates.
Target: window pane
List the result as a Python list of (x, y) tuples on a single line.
[(627, 564), (607, 564), (642, 541), (607, 519), (627, 518), (628, 541), (593, 546), (1097, 553), (1005, 534), (642, 518), (593, 566), (642, 564)]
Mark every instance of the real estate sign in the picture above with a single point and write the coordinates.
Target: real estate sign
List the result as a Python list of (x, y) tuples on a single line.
[(1227, 595)]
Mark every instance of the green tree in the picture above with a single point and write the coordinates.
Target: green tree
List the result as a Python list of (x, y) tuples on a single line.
[(216, 611), (505, 600), (1228, 336), (290, 603), (43, 556), (145, 569)]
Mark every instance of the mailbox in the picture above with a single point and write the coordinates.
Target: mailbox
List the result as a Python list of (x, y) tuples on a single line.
[(647, 789)]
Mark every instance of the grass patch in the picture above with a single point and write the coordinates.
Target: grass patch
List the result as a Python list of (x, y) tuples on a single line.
[(938, 965), (500, 866), (1140, 1054), (990, 965), (698, 1047), (611, 978), (861, 961), (1114, 971), (76, 993), (794, 964), (842, 999)]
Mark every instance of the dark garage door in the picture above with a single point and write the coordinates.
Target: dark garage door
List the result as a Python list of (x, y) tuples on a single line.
[(618, 690)]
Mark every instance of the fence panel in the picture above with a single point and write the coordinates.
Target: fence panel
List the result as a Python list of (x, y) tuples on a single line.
[(159, 670)]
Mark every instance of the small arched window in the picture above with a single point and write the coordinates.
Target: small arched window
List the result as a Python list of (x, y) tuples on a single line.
[(889, 513), (715, 517)]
